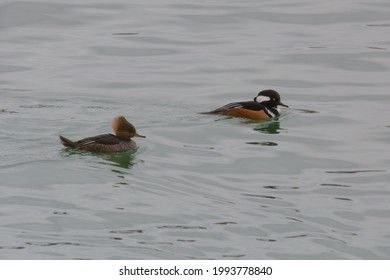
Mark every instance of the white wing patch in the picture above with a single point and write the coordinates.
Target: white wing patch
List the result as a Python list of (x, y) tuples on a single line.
[(88, 142), (269, 112)]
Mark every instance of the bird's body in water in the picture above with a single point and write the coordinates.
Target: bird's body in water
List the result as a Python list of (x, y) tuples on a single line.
[(264, 106), (108, 143)]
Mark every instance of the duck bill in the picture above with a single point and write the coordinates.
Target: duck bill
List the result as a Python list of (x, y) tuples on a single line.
[(138, 135), (284, 105)]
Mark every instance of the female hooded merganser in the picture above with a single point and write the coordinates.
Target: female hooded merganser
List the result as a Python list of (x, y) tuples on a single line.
[(264, 106), (108, 143)]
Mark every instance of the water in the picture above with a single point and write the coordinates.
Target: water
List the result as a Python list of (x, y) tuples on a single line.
[(313, 184)]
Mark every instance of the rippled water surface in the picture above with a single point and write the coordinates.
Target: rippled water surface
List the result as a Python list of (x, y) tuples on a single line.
[(313, 184)]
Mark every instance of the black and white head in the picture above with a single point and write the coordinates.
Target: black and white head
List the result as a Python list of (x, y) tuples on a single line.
[(269, 98)]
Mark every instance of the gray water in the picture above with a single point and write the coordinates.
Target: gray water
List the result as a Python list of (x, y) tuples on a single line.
[(313, 184)]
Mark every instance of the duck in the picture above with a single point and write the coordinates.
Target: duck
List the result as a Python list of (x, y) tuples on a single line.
[(108, 143), (264, 106)]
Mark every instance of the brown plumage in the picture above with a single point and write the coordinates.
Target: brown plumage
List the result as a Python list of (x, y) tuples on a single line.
[(245, 113), (108, 143)]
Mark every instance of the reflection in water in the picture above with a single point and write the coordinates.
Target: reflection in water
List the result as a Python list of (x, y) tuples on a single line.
[(128, 231), (124, 160), (343, 198), (262, 143), (266, 239), (273, 126), (336, 185), (269, 127), (280, 188), (181, 227), (379, 25), (125, 34), (199, 147), (305, 111), (7, 111), (260, 195), (226, 223), (353, 171), (53, 244)]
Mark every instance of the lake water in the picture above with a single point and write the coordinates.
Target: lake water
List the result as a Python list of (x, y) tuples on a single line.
[(313, 184)]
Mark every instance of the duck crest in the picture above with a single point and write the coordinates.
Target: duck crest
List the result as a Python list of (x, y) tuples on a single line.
[(122, 128)]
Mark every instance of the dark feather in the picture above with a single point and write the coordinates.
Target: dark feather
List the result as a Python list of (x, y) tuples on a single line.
[(249, 105), (67, 143), (103, 139)]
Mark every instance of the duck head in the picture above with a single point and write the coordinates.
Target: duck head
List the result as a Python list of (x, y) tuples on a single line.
[(269, 98), (123, 129)]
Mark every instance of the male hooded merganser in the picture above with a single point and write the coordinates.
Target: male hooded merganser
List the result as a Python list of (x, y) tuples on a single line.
[(108, 143), (264, 106)]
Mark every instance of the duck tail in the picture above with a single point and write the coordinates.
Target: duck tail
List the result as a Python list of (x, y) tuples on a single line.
[(66, 142), (207, 113)]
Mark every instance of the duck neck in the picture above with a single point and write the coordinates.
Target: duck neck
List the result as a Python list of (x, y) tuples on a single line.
[(123, 135)]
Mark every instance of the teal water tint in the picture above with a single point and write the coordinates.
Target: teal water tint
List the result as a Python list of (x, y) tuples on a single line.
[(312, 184)]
